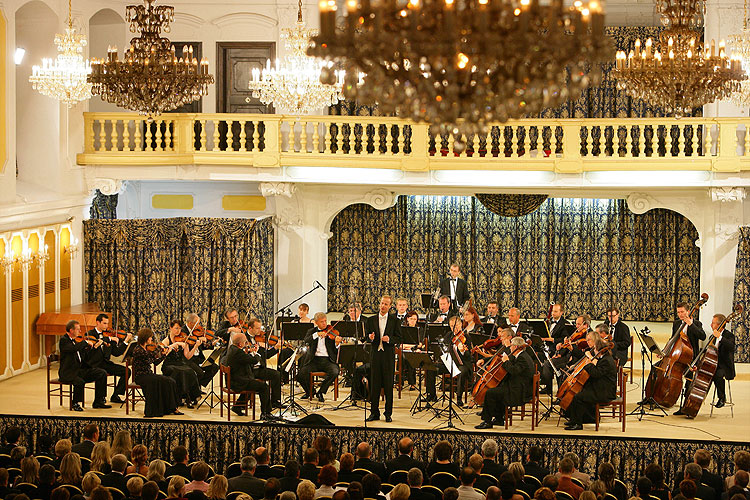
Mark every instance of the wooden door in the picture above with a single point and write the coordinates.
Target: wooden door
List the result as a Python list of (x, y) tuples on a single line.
[(236, 61)]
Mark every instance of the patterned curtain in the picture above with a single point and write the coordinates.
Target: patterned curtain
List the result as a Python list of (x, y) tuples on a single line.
[(511, 205), (103, 206), (741, 327), (588, 254), (149, 271)]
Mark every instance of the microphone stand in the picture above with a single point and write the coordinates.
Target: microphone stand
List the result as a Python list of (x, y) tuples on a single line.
[(286, 307)]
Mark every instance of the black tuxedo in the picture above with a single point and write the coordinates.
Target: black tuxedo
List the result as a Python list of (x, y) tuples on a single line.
[(725, 367), (314, 363), (420, 494), (695, 334), (75, 370), (559, 330), (515, 389), (621, 338), (382, 362), (222, 332), (115, 480), (100, 358), (309, 472), (84, 448), (493, 468), (265, 471), (242, 378), (523, 329), (462, 290), (289, 484), (373, 466), (403, 462)]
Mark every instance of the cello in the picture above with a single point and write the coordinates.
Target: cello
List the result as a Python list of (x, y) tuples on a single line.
[(665, 381), (492, 374), (704, 369), (577, 379)]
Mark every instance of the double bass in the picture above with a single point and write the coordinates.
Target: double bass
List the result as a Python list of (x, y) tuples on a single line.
[(704, 368), (492, 374), (577, 379), (665, 380)]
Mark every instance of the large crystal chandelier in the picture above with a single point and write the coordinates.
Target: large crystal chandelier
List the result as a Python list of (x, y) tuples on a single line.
[(65, 78), (464, 63), (151, 78), (295, 86), (679, 74), (740, 45)]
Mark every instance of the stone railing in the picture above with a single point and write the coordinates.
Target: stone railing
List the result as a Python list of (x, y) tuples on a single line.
[(272, 141)]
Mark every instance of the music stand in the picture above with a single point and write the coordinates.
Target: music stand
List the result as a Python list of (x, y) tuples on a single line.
[(421, 361), (444, 352), (292, 406), (410, 335), (427, 300), (295, 331), (350, 355), (648, 349), (477, 339), (211, 359), (490, 329)]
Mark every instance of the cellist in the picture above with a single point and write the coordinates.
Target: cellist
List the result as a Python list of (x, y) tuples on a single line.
[(601, 387), (515, 389), (562, 352), (695, 333)]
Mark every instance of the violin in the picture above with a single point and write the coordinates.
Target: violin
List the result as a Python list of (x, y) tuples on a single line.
[(158, 348), (91, 340), (331, 332), (115, 334), (493, 343), (209, 335), (578, 339)]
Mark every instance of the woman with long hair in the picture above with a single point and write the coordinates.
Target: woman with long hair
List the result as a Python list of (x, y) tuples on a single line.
[(29, 471), (140, 459), (177, 365), (324, 446), (122, 444), (70, 469), (156, 470), (159, 391), (176, 488), (471, 321), (217, 488), (100, 458)]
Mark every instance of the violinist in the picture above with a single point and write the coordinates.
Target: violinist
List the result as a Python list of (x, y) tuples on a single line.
[(461, 351), (192, 327), (383, 332), (516, 387), (75, 370), (443, 312), (180, 366), (255, 335), (410, 320), (159, 391), (230, 325), (110, 346), (322, 356), (563, 349), (601, 386), (619, 333), (471, 321), (491, 346), (302, 311), (240, 358)]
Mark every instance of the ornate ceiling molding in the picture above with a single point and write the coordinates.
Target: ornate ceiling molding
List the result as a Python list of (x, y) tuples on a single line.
[(107, 187), (728, 194), (278, 189)]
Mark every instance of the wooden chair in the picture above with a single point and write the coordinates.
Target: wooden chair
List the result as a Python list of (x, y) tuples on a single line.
[(561, 495), (320, 376), (363, 472), (28, 489), (116, 494), (520, 411), (609, 496), (523, 494), (617, 405), (533, 480), (61, 389), (233, 470), (133, 391), (577, 481), (342, 484), (234, 495), (630, 359), (128, 477), (228, 397), (278, 468), (454, 381), (433, 490), (398, 476), (443, 480), (489, 477), (72, 489), (386, 488)]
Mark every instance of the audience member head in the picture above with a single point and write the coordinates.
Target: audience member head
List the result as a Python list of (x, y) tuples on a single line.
[(100, 493), (694, 472), (599, 488), (518, 471), (243, 496), (507, 484), (643, 487), (100, 456), (134, 486), (364, 450), (702, 457), (17, 454), (122, 443), (29, 470), (176, 487), (261, 455), (489, 449), (62, 494), (735, 490), (655, 473), (156, 470), (91, 432), (150, 491), (288, 495), (688, 489), (247, 464), (346, 462), (45, 445), (179, 455), (371, 485), (328, 476), (468, 476), (305, 490), (476, 462), (567, 467), (47, 475), (291, 469), (545, 493), (450, 494), (355, 491), (337, 495), (742, 460), (443, 451), (13, 434), (63, 447), (400, 492), (574, 458), (22, 496), (311, 456), (70, 469), (736, 496), (587, 495), (536, 454), (218, 488), (200, 471), (139, 456), (325, 450), (741, 478), (405, 446), (494, 493), (3, 476), (90, 481), (414, 477), (607, 474), (273, 486), (119, 463), (550, 481)]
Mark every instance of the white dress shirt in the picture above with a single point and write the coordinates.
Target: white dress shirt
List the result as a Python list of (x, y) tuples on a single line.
[(382, 322), (321, 350)]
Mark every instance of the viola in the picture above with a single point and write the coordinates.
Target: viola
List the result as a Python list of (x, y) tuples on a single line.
[(577, 339), (577, 378), (209, 335), (115, 334), (492, 373), (664, 383)]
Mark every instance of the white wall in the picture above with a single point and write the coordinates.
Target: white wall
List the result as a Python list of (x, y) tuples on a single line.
[(106, 28)]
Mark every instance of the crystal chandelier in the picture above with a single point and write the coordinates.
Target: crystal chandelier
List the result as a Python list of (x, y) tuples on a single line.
[(150, 79), (463, 63), (295, 86), (65, 78), (740, 44), (681, 74)]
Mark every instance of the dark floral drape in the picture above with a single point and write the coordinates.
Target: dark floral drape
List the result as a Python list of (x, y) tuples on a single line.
[(741, 327), (103, 206), (586, 253), (148, 271)]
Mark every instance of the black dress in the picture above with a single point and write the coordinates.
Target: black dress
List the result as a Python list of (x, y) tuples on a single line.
[(177, 367), (160, 391)]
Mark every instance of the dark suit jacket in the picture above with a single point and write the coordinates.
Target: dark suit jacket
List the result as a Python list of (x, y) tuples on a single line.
[(403, 462), (709, 479), (704, 492), (72, 358), (310, 472), (311, 340), (726, 356), (391, 330), (179, 470), (289, 484), (115, 480), (84, 448), (266, 472), (241, 365), (432, 317), (603, 380), (695, 334), (493, 468), (419, 494), (621, 338), (350, 477), (560, 330), (462, 289), (536, 470), (524, 329), (97, 357), (249, 484), (517, 384), (222, 332), (373, 466)]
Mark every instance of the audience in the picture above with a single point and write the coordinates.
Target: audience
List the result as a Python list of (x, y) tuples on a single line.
[(466, 491), (659, 489), (535, 463), (139, 459), (587, 495), (90, 481), (519, 474), (550, 481), (688, 489), (218, 488), (442, 455), (327, 480), (565, 482), (694, 472), (400, 492), (598, 488), (306, 489), (116, 478), (643, 488), (150, 491), (5, 489), (122, 444), (179, 465), (47, 482), (355, 491), (101, 458), (176, 487), (90, 438), (404, 461), (476, 462), (414, 479), (29, 471), (489, 453), (291, 479), (371, 487), (272, 489), (247, 482), (607, 475), (741, 462), (507, 485), (577, 474), (199, 472), (364, 451), (100, 494), (156, 470), (263, 468), (70, 470), (346, 469), (324, 446), (62, 448), (13, 436), (309, 469), (134, 486), (541, 494)]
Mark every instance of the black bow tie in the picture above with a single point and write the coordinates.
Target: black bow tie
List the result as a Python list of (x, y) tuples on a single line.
[(554, 321)]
